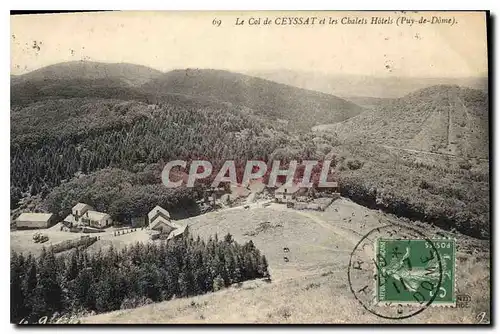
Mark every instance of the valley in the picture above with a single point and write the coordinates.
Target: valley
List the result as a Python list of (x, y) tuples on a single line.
[(435, 120), (101, 134)]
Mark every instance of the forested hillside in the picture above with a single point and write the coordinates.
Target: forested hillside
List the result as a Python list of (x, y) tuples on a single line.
[(58, 140), (440, 119), (135, 276), (51, 142), (75, 124), (298, 108), (81, 79), (449, 193), (103, 140), (128, 74), (301, 108), (26, 92), (124, 194)]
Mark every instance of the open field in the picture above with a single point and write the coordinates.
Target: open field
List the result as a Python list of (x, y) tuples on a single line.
[(319, 298), (312, 287), (22, 241)]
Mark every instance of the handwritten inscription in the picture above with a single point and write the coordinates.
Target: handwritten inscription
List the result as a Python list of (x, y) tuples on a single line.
[(40, 321)]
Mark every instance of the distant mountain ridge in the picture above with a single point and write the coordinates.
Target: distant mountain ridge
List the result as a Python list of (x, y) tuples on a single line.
[(128, 74), (300, 108), (441, 119), (26, 92), (365, 86), (265, 97)]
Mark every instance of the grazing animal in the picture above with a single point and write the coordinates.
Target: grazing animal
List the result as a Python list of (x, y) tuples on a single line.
[(286, 259), (286, 249)]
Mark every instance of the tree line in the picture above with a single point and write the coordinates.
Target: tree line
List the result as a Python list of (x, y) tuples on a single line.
[(52, 151), (117, 279)]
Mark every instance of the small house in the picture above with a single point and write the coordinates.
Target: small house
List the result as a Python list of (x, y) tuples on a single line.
[(31, 220), (79, 210), (332, 191), (158, 211), (96, 219), (159, 220), (177, 232), (84, 214), (70, 220), (161, 223)]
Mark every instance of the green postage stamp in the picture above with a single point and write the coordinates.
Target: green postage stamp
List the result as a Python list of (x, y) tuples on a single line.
[(415, 271)]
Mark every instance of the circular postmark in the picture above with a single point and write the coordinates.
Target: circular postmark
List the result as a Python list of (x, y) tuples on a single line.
[(395, 272)]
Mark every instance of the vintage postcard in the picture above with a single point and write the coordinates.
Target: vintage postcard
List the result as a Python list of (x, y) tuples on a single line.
[(265, 167)]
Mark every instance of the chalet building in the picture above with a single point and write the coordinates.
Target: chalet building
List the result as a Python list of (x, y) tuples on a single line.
[(177, 232), (96, 219), (329, 192), (84, 214), (31, 220), (160, 222), (80, 209), (69, 220), (161, 225)]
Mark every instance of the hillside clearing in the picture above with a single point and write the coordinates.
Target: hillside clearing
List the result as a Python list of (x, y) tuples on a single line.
[(312, 286)]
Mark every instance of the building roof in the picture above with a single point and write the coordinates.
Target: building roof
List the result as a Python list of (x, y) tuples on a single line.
[(159, 220), (80, 206), (94, 215), (176, 232), (290, 188), (151, 232), (158, 209), (70, 218), (34, 217)]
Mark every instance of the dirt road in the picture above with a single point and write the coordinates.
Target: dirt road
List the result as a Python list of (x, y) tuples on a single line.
[(428, 152)]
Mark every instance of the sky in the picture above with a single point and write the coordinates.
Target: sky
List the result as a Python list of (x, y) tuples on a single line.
[(169, 40)]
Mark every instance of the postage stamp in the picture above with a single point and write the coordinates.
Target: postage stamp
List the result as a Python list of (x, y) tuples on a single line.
[(411, 271), (396, 271)]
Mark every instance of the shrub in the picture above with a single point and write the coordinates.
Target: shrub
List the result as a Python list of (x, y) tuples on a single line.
[(218, 283), (354, 164), (285, 312), (465, 164), (313, 286), (425, 185), (135, 302)]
